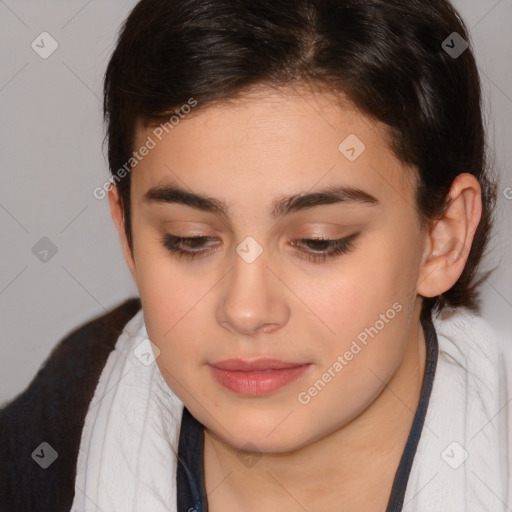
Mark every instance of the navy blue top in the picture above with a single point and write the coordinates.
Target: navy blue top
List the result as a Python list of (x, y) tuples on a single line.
[(191, 492)]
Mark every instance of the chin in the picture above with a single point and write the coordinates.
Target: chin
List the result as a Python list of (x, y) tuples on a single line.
[(246, 436)]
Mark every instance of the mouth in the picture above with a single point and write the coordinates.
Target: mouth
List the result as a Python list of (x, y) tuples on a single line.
[(256, 378)]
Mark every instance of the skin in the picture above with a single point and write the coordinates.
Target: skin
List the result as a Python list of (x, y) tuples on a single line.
[(247, 153)]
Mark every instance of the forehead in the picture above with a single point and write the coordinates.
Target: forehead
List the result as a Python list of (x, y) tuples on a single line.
[(273, 142)]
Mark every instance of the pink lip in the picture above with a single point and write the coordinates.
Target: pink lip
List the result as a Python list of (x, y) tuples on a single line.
[(257, 377)]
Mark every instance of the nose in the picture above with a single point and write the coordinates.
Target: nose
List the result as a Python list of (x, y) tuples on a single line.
[(254, 299)]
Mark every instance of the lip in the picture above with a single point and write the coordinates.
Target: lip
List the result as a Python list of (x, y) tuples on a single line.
[(256, 378)]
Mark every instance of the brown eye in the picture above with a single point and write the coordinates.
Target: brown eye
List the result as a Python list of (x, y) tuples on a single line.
[(317, 249), (175, 245), (321, 249)]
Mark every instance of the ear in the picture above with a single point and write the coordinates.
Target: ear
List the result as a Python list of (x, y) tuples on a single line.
[(117, 212), (449, 239)]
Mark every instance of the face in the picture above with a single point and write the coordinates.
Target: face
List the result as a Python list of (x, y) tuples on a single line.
[(258, 283)]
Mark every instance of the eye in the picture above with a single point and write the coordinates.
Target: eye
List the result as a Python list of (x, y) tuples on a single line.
[(327, 248), (175, 243), (322, 248)]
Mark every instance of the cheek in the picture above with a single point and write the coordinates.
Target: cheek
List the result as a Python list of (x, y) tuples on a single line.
[(168, 290), (365, 306), (173, 315), (170, 302), (173, 310), (363, 286), (366, 314)]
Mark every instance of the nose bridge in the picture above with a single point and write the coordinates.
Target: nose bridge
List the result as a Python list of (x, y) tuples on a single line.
[(253, 298)]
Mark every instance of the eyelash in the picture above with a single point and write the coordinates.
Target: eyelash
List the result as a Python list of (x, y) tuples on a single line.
[(337, 247)]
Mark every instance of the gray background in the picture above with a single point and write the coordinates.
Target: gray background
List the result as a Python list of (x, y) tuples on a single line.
[(51, 159)]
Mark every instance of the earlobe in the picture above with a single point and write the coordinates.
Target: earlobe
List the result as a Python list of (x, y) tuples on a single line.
[(449, 238), (117, 213)]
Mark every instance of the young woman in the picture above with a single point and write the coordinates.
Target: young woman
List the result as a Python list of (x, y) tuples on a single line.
[(302, 196)]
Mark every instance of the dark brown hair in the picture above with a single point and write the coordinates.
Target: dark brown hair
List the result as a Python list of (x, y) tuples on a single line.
[(388, 57)]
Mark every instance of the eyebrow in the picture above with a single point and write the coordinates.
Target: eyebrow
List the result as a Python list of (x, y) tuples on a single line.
[(171, 193)]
